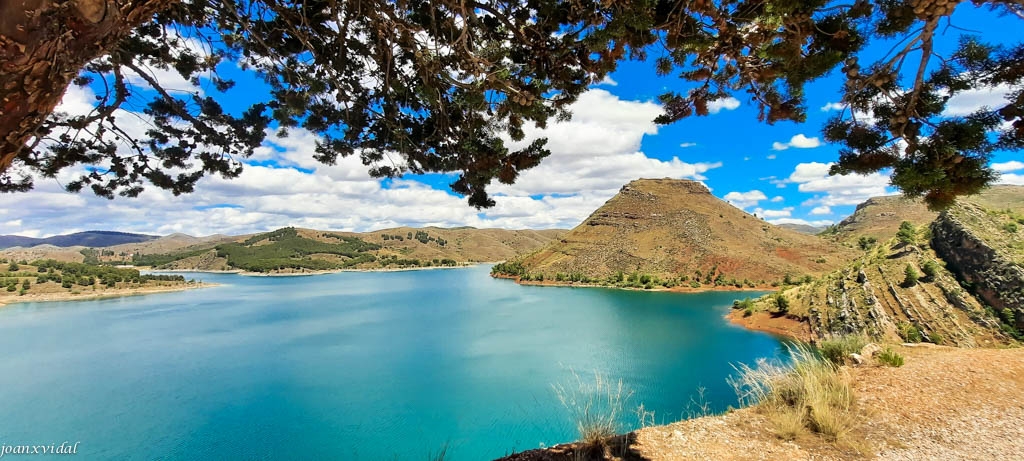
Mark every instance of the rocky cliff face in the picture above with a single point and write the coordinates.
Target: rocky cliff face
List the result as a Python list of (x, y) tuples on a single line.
[(989, 269)]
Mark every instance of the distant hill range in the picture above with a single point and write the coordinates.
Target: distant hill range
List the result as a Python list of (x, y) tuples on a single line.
[(295, 250), (675, 232), (803, 228), (86, 239)]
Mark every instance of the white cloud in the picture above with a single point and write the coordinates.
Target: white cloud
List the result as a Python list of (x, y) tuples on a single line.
[(744, 199), (687, 144), (798, 141), (1012, 165), (771, 157), (828, 107), (817, 223), (608, 80), (1015, 179), (728, 103), (777, 199), (762, 213), (821, 210), (593, 155), (599, 150), (835, 190), (970, 101)]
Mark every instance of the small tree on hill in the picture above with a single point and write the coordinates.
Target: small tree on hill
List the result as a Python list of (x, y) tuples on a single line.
[(911, 276), (930, 269), (865, 243), (907, 233), (782, 303)]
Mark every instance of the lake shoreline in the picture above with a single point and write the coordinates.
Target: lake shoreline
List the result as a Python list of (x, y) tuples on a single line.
[(103, 294), (310, 273), (659, 288), (784, 326)]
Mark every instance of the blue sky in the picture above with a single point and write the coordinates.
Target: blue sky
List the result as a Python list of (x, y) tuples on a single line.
[(777, 172)]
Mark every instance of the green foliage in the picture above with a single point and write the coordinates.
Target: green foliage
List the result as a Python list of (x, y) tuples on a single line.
[(91, 256), (890, 357), (930, 269), (910, 276), (910, 332), (907, 233), (743, 303), (13, 267), (162, 259), (1010, 227), (838, 350), (865, 242), (1007, 316), (69, 273), (287, 250), (510, 268), (781, 302)]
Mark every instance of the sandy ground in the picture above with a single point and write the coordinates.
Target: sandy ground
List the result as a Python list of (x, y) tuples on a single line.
[(943, 404)]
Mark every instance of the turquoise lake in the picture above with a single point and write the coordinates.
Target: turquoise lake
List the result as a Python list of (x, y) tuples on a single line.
[(353, 366)]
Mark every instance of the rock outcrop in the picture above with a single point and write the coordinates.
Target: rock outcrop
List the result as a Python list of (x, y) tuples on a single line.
[(989, 271)]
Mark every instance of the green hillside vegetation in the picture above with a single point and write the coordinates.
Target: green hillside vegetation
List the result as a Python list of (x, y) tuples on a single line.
[(157, 260), (51, 275), (285, 249), (290, 249)]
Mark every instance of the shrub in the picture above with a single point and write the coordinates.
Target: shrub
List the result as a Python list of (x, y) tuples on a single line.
[(865, 243), (694, 284), (911, 276), (743, 303), (910, 332), (1010, 227), (781, 302), (838, 350), (930, 269), (809, 394), (890, 357), (13, 267)]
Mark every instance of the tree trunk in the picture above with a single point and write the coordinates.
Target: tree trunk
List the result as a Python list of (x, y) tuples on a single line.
[(43, 46)]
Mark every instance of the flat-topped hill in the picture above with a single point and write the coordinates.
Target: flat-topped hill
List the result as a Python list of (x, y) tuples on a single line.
[(676, 229)]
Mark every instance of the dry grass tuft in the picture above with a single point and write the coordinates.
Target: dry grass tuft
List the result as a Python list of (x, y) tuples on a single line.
[(596, 408), (808, 394)]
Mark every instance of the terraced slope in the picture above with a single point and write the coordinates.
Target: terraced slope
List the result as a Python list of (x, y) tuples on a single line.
[(967, 270)]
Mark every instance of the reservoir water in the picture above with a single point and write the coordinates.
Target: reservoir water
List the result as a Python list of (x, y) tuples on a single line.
[(353, 366)]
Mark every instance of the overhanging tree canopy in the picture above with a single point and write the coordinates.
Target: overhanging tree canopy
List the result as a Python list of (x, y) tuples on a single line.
[(434, 85)]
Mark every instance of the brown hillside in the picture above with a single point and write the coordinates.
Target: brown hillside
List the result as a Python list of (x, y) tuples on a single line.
[(673, 228), (880, 217), (463, 244), (872, 294)]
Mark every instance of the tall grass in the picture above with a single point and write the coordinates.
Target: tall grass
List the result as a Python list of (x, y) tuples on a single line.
[(596, 408), (810, 394)]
